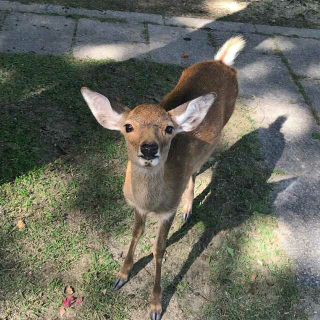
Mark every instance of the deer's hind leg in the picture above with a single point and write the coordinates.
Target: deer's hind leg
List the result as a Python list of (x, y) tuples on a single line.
[(188, 199), (137, 231)]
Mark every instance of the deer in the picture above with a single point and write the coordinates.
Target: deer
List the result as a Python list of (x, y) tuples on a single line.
[(167, 144)]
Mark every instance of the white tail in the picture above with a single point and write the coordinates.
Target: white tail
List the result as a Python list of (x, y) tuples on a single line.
[(167, 145), (230, 50)]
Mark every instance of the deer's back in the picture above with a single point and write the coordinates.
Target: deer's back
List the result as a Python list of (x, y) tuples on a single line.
[(201, 79)]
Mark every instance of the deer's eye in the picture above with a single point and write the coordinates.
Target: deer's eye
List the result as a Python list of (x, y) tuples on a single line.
[(128, 127), (169, 129)]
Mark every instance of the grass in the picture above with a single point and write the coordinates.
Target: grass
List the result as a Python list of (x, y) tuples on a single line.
[(62, 175), (316, 136)]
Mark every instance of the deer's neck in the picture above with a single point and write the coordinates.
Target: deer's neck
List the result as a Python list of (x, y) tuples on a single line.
[(147, 190), (147, 185)]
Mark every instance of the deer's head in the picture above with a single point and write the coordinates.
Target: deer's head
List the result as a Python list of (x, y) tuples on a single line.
[(148, 129)]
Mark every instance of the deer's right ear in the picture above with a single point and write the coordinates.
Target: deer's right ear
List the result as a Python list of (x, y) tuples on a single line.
[(189, 115), (101, 108)]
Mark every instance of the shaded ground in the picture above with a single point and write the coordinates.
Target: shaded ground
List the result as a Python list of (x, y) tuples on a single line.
[(227, 263), (293, 13)]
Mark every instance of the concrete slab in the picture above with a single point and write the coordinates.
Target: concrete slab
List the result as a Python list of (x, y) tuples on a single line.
[(135, 16), (2, 18), (19, 7), (312, 88), (255, 43), (168, 44), (267, 88), (128, 16), (102, 40), (286, 135), (286, 31), (187, 22), (64, 11), (265, 76), (298, 207), (231, 26), (302, 55), (26, 32), (210, 24)]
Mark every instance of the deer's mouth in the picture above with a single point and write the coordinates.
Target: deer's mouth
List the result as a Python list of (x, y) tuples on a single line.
[(149, 161), (148, 157)]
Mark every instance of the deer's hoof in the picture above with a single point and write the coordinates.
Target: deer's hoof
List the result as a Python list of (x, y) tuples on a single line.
[(186, 217), (155, 315), (118, 284)]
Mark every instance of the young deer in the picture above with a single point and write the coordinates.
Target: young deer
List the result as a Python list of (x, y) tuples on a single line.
[(167, 145)]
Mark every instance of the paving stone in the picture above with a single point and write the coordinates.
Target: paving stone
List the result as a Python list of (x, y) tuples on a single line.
[(266, 87), (65, 11), (129, 16), (168, 44), (232, 26), (187, 22), (302, 55), (312, 88), (2, 18), (286, 31), (297, 206), (255, 43), (135, 16), (103, 40), (265, 76), (19, 7), (286, 135), (211, 24), (26, 32)]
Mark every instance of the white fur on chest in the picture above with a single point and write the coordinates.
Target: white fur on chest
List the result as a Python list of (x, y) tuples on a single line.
[(148, 192)]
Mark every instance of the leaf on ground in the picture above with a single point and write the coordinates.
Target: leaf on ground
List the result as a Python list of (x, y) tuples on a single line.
[(118, 99), (62, 311), (185, 55), (20, 225), (230, 251), (104, 291), (68, 301), (68, 290), (79, 300), (253, 277)]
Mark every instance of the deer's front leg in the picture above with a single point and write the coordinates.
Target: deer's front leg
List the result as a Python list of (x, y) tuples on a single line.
[(138, 229), (159, 248)]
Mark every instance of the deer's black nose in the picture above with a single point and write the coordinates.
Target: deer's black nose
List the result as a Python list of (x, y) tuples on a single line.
[(149, 150)]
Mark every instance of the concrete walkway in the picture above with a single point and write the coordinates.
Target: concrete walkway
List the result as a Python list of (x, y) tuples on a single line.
[(279, 77)]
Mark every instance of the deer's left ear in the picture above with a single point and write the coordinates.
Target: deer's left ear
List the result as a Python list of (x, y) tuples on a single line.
[(189, 115)]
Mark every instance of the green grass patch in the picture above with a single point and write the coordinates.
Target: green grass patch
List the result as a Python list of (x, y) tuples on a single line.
[(62, 175), (316, 136)]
